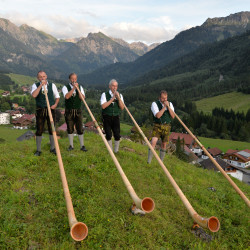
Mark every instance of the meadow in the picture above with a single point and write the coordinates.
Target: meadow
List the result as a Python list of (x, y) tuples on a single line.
[(224, 145), (236, 101), (33, 213)]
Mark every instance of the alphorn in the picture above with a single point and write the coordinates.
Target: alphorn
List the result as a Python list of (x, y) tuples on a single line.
[(78, 230), (237, 189), (146, 204), (211, 223)]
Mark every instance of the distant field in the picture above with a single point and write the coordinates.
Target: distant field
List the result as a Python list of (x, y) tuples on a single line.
[(22, 79), (224, 145), (234, 100)]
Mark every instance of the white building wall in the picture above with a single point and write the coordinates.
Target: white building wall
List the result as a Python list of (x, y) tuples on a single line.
[(4, 118), (236, 163), (238, 175)]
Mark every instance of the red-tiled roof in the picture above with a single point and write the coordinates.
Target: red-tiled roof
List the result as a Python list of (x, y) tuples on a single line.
[(24, 118), (27, 116), (187, 138), (63, 127), (214, 151), (89, 124), (231, 151)]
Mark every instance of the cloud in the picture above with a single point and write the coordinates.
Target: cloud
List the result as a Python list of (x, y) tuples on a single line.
[(151, 30), (59, 26)]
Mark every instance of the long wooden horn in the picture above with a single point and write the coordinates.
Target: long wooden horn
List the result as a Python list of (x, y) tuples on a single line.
[(211, 223), (237, 189), (146, 204), (78, 230)]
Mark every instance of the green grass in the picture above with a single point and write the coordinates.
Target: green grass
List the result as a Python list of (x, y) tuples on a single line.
[(9, 134), (125, 129), (224, 145), (22, 79), (234, 100), (33, 213)]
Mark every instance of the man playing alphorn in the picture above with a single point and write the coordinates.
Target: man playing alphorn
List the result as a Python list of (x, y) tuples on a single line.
[(163, 112), (37, 91), (73, 112), (112, 104)]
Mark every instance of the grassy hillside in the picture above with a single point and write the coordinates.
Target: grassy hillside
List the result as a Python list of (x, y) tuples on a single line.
[(224, 145), (22, 79), (27, 80), (33, 213), (234, 100)]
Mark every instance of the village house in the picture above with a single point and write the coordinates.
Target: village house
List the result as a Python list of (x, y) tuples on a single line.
[(236, 172), (214, 152), (188, 139), (24, 122), (6, 93), (15, 114), (4, 118), (238, 158), (25, 89)]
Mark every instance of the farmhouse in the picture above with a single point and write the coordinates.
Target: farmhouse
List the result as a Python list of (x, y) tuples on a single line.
[(6, 93), (15, 114), (215, 152), (238, 158), (236, 172), (188, 139), (23, 122), (25, 89)]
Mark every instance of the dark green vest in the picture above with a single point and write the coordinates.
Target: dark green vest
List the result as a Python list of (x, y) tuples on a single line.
[(40, 99), (165, 118), (74, 102), (113, 109)]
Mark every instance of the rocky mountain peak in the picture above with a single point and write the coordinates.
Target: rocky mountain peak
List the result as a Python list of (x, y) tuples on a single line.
[(238, 19)]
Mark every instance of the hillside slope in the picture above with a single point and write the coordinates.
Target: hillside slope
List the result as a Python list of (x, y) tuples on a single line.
[(33, 213), (197, 75)]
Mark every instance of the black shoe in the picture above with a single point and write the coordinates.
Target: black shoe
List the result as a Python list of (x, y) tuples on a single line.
[(83, 149), (53, 151), (37, 153), (70, 148)]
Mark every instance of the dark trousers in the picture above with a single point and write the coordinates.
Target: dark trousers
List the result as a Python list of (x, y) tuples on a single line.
[(111, 124), (73, 117), (42, 115)]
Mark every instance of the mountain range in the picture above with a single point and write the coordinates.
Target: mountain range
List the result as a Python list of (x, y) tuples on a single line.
[(98, 58), (212, 30), (59, 56)]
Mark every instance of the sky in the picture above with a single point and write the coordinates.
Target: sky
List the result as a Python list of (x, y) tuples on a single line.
[(131, 20)]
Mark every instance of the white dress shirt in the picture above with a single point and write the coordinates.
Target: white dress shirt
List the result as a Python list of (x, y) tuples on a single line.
[(54, 89), (103, 97), (65, 90), (155, 109)]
